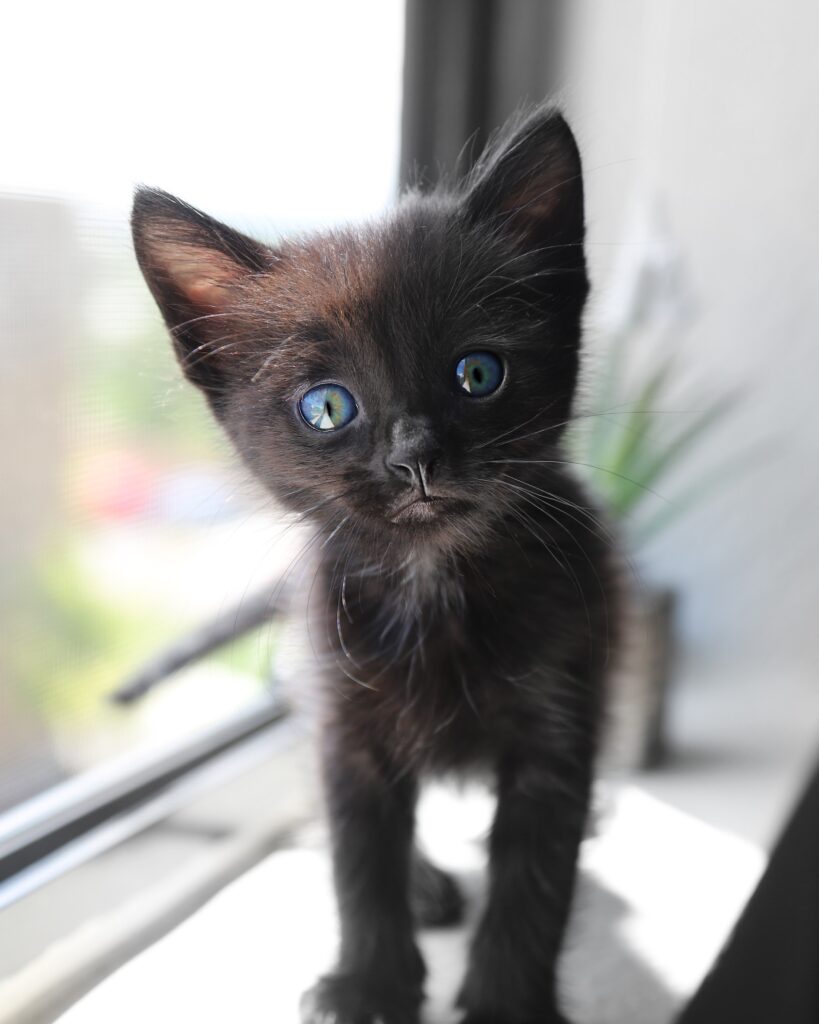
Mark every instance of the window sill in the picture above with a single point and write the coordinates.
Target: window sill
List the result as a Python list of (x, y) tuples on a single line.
[(63, 938)]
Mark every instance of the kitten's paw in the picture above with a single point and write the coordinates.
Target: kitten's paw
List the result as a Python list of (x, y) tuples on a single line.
[(434, 894), (346, 999)]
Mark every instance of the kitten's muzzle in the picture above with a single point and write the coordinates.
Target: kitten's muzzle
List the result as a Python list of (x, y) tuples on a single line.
[(419, 510), (414, 453), (427, 508)]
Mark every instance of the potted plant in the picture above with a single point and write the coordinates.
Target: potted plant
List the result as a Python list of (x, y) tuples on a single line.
[(634, 440)]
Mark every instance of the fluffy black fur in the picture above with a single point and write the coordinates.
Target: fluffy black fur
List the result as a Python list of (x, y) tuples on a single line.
[(469, 592)]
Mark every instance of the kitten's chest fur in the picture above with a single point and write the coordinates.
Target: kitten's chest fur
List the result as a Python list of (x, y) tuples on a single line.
[(444, 661)]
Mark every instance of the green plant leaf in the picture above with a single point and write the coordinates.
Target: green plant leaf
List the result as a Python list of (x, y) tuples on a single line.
[(635, 432), (608, 378), (698, 491), (626, 444), (671, 453)]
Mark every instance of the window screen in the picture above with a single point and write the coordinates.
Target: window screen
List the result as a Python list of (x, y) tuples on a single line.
[(124, 519)]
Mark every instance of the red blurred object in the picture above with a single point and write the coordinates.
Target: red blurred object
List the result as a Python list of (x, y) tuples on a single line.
[(117, 485)]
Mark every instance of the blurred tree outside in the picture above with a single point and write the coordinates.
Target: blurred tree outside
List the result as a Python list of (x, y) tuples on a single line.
[(118, 479)]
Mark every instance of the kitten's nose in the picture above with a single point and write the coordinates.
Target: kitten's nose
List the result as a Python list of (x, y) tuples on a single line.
[(413, 453), (416, 474)]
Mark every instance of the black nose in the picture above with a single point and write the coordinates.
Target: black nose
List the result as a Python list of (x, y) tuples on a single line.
[(413, 453), (416, 474)]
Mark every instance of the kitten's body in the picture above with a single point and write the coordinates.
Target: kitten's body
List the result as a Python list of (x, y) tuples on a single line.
[(466, 607), (443, 660)]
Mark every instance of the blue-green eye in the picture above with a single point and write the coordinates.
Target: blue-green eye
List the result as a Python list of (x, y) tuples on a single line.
[(479, 373), (328, 407)]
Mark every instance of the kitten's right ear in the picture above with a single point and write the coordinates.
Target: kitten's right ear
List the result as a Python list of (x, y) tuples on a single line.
[(529, 182), (197, 270)]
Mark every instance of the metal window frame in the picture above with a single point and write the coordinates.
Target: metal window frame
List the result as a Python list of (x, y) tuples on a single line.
[(121, 794)]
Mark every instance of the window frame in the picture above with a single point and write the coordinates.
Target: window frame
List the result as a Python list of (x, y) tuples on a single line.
[(39, 830)]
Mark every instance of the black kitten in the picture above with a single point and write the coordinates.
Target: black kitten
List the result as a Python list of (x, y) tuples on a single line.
[(406, 385)]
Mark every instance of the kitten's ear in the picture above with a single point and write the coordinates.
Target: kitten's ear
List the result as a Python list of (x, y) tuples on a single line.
[(195, 268), (529, 180)]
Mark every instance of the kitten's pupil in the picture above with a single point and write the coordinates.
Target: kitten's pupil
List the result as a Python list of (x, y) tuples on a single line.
[(478, 375)]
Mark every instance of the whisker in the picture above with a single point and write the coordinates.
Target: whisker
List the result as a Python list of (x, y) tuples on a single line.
[(518, 426), (587, 465)]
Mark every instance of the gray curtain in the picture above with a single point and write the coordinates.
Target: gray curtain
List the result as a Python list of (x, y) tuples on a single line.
[(468, 65)]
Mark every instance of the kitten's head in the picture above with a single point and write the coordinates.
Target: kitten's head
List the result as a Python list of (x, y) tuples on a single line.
[(384, 377)]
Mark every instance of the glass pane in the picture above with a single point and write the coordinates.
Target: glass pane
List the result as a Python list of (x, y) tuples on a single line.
[(125, 519)]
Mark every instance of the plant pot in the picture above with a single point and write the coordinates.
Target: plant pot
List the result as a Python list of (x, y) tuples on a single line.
[(637, 734)]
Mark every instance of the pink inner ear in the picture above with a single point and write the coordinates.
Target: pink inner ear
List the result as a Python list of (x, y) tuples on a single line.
[(203, 276), (538, 199), (204, 292)]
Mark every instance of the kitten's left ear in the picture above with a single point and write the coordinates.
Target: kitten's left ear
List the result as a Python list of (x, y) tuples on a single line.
[(529, 180)]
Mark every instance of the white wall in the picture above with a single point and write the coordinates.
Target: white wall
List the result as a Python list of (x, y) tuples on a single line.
[(712, 109)]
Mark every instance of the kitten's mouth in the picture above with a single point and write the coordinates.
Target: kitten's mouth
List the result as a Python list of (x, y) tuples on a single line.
[(428, 509), (420, 510)]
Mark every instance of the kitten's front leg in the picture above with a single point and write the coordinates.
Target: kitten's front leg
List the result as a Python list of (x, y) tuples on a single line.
[(380, 972), (542, 805)]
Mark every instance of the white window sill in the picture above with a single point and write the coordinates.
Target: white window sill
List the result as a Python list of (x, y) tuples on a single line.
[(67, 936)]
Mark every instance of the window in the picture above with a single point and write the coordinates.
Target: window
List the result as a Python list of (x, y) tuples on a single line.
[(124, 520)]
